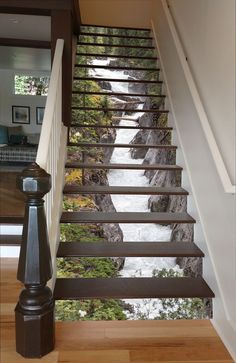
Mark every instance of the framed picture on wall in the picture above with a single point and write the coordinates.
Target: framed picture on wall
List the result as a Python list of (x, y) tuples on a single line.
[(39, 115), (20, 114)]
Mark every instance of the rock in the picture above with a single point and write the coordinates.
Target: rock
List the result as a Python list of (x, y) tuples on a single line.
[(158, 203), (182, 232), (150, 137), (192, 266), (135, 74), (108, 138), (177, 204), (137, 88), (139, 138), (112, 231), (159, 156), (105, 85)]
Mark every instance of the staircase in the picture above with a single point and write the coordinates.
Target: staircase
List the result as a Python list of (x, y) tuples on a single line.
[(105, 288)]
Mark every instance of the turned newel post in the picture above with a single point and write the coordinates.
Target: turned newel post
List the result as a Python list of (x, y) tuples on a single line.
[(34, 312)]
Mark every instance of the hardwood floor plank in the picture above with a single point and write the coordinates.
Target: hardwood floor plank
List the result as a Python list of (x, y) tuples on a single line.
[(178, 341), (11, 199), (181, 351), (95, 356)]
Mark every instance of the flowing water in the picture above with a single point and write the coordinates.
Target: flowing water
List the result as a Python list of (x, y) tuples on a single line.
[(138, 267)]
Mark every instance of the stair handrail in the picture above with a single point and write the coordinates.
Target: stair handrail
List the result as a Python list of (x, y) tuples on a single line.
[(52, 149), (215, 152)]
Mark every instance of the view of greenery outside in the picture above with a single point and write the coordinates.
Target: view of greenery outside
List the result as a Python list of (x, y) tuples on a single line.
[(104, 267), (29, 85)]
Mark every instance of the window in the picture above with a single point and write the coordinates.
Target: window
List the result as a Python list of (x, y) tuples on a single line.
[(31, 85)]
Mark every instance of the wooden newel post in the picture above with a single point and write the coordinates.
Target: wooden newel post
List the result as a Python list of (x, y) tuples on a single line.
[(34, 312)]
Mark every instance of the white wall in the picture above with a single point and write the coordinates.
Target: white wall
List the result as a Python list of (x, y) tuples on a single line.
[(214, 210), (207, 31), (9, 99), (127, 13)]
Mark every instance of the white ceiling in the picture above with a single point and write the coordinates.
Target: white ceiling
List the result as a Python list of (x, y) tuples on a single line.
[(32, 27), (25, 26)]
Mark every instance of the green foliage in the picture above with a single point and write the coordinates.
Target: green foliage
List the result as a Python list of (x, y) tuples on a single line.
[(73, 176), (28, 85), (88, 267), (81, 232), (77, 203), (90, 310), (179, 308), (171, 308)]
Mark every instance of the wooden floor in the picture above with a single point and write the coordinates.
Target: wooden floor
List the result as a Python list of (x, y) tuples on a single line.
[(113, 342), (11, 199)]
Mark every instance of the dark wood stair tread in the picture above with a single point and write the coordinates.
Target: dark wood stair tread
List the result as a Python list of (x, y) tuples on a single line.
[(117, 94), (11, 220), (114, 36), (115, 56), (10, 240), (128, 249), (125, 217), (97, 166), (116, 80), (115, 27), (118, 288), (118, 109), (138, 146), (118, 67), (122, 127), (104, 189), (90, 44)]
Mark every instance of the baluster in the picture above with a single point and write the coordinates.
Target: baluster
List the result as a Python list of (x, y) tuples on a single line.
[(34, 312)]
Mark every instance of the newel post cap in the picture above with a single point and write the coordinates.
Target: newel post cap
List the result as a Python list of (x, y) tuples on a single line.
[(34, 181)]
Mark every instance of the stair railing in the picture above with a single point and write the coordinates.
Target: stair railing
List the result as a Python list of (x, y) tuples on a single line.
[(52, 145), (34, 312)]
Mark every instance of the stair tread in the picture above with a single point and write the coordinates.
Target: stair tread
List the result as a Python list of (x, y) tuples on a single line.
[(91, 44), (128, 249), (126, 217), (115, 27), (100, 144), (105, 189), (116, 288), (114, 36), (76, 165), (117, 94), (117, 67), (114, 56), (11, 219), (118, 109), (10, 239), (115, 80)]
